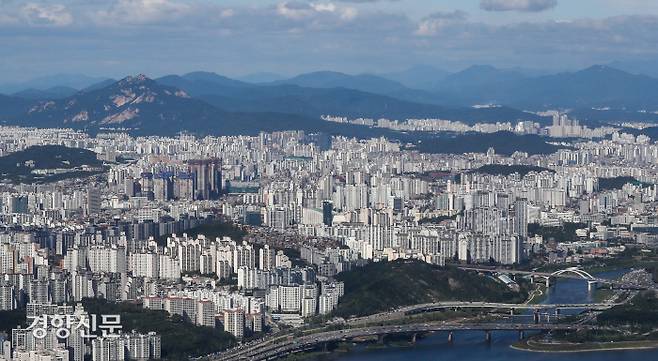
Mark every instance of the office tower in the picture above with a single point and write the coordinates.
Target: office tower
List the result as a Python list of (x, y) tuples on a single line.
[(146, 184), (163, 188), (327, 213), (207, 178), (130, 187), (93, 201), (521, 217), (184, 186)]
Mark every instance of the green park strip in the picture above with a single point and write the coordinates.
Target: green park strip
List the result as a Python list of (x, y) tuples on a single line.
[(559, 347)]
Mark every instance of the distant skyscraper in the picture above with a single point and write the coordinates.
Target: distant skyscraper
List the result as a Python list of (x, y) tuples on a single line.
[(146, 183), (207, 178), (184, 186), (163, 186), (93, 201), (521, 215), (327, 213)]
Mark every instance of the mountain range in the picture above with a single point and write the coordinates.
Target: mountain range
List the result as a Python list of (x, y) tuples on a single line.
[(209, 103), (143, 106)]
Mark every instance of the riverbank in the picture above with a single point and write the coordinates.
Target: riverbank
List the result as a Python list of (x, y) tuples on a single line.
[(533, 345)]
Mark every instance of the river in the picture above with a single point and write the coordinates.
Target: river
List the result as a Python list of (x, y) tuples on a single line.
[(470, 346)]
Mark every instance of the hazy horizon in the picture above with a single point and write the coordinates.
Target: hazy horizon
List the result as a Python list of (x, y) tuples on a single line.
[(234, 38), (66, 77)]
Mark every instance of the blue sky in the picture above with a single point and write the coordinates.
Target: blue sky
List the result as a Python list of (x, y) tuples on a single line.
[(157, 37)]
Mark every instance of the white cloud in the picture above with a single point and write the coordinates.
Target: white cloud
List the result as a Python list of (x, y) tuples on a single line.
[(324, 7), (295, 10), (365, 1), (518, 5), (41, 14), (349, 14), (227, 13), (437, 22), (284, 33), (141, 11)]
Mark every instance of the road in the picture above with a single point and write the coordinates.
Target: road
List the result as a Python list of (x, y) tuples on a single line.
[(274, 347), (273, 350), (428, 307)]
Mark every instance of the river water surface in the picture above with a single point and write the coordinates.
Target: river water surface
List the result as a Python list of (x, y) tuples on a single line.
[(470, 346)]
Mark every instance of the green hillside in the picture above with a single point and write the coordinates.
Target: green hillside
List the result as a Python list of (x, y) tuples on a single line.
[(48, 163), (383, 286)]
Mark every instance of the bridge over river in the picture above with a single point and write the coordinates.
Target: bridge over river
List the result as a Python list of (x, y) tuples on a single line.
[(431, 307), (271, 349), (567, 273)]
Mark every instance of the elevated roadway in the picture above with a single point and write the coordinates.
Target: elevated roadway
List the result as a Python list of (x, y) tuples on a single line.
[(273, 350)]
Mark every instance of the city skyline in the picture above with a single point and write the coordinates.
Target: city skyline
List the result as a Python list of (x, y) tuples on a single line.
[(262, 180)]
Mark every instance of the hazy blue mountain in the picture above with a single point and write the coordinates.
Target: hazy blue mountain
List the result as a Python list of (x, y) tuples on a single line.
[(57, 92), (351, 103), (596, 86), (331, 79), (208, 102), (425, 77), (149, 107), (480, 84), (261, 77), (11, 107), (76, 81), (236, 96), (480, 74), (133, 102), (369, 84), (533, 72), (101, 84), (648, 67), (203, 83), (144, 106)]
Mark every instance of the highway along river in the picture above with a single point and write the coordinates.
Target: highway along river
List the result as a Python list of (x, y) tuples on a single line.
[(470, 346)]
